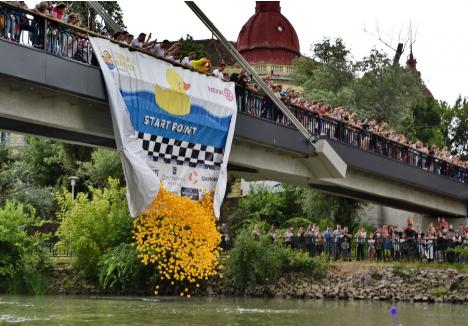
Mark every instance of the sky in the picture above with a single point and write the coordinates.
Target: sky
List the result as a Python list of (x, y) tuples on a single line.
[(439, 29)]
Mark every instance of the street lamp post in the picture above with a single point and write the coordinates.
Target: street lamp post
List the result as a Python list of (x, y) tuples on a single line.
[(73, 183)]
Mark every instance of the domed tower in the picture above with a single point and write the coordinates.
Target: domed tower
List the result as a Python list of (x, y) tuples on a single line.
[(268, 41)]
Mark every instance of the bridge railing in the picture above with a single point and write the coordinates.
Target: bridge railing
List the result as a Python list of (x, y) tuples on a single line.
[(57, 38), (259, 106), (32, 29), (438, 250)]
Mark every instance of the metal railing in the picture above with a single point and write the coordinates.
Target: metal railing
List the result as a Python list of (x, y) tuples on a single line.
[(41, 32), (55, 250), (381, 249), (52, 36), (256, 105)]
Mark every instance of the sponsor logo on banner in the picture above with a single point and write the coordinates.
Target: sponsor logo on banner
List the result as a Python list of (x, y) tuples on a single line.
[(224, 92), (106, 56), (192, 177), (228, 94), (191, 193), (209, 179), (122, 62)]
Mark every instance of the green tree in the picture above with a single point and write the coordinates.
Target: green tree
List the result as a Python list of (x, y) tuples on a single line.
[(262, 204), (455, 126), (73, 155), (189, 45), (42, 160), (103, 164), (94, 223), (23, 260), (426, 121), (385, 92), (372, 87), (328, 75), (12, 179), (6, 156), (273, 206), (91, 19), (322, 208), (42, 199)]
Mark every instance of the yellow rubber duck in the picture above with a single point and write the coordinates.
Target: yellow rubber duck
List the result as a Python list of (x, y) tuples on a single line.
[(173, 100), (202, 65)]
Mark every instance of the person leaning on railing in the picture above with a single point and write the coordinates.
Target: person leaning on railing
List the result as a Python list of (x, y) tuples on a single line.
[(10, 21), (398, 148), (37, 23)]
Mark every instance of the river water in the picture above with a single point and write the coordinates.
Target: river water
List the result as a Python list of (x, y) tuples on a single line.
[(67, 310)]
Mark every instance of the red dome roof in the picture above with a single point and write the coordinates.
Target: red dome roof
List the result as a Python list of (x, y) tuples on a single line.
[(268, 36)]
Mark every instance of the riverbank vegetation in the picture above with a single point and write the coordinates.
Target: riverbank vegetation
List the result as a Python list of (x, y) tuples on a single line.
[(259, 261), (23, 261)]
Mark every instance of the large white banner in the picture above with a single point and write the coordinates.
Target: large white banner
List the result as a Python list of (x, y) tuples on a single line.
[(171, 125)]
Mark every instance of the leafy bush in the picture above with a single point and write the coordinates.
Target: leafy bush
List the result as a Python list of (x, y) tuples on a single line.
[(42, 160), (120, 268), (103, 164), (253, 261), (273, 205), (94, 224), (300, 261), (41, 198), (23, 260), (459, 251), (323, 208), (260, 261)]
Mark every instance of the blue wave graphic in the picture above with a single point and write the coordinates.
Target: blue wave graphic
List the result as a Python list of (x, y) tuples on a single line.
[(146, 100), (200, 126)]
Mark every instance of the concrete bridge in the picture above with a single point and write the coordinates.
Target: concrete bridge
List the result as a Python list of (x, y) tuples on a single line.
[(50, 96)]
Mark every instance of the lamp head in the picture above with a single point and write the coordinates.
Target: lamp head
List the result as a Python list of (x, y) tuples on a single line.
[(73, 180)]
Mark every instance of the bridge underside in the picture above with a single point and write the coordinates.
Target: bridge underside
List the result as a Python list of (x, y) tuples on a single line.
[(262, 150)]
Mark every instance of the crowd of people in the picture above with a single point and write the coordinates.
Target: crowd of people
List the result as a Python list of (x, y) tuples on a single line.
[(74, 45), (386, 243), (57, 39), (405, 146)]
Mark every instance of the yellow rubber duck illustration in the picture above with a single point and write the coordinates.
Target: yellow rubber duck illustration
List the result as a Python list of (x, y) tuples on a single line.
[(173, 100)]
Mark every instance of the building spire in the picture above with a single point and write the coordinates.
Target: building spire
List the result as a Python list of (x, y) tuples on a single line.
[(411, 62)]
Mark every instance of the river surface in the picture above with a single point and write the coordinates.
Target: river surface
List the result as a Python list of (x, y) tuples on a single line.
[(68, 310)]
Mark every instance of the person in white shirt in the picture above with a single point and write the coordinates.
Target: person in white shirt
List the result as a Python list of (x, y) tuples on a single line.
[(187, 61), (140, 41), (160, 48), (219, 72)]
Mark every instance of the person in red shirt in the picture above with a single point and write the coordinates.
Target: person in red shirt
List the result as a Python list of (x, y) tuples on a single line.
[(59, 11)]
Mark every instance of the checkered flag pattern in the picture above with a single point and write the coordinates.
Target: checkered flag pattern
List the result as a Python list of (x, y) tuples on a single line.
[(176, 151)]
